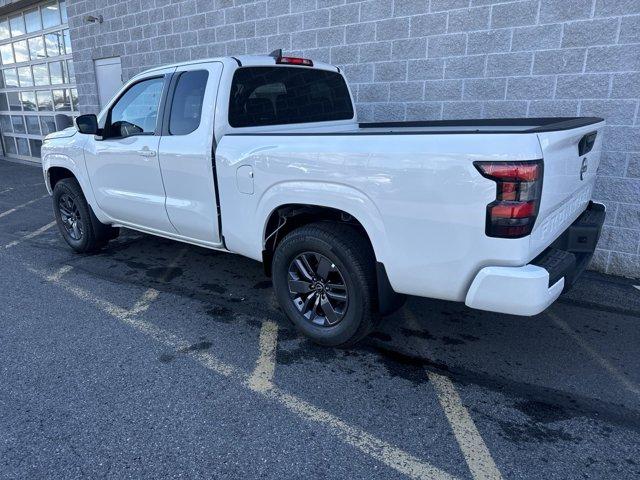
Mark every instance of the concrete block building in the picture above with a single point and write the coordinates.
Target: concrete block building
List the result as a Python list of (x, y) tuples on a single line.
[(404, 59)]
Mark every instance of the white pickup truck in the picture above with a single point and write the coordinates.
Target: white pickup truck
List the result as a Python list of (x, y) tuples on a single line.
[(263, 156)]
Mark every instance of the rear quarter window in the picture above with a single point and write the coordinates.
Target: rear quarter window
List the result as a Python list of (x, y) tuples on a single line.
[(284, 95)]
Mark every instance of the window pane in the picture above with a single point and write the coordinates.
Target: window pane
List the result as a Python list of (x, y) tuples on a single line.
[(4, 29), (74, 98), (186, 106), (24, 74), (23, 147), (65, 73), (36, 48), (18, 123), (52, 42), (36, 146), (4, 106), (67, 42), (33, 125), (48, 125), (40, 74), (17, 25), (5, 124), (63, 11), (14, 101), (10, 77), (21, 51), (61, 100), (63, 121), (137, 110), (284, 95), (28, 101), (71, 72), (6, 51), (50, 15), (32, 20), (10, 145), (45, 101), (55, 71)]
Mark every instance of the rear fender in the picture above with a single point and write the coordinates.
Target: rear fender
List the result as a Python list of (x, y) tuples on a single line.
[(247, 237)]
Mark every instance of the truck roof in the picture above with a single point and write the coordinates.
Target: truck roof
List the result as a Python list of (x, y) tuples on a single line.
[(244, 61)]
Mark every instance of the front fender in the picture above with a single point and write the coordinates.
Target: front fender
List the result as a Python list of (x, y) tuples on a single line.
[(68, 153)]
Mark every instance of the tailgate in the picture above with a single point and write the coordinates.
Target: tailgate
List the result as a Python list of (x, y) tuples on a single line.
[(571, 158)]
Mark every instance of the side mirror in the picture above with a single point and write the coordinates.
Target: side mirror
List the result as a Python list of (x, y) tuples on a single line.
[(87, 124)]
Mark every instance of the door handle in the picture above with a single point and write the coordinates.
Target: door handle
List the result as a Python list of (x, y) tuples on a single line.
[(145, 152)]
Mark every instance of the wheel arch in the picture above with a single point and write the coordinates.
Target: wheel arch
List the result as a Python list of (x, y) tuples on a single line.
[(288, 217), (57, 166), (55, 174)]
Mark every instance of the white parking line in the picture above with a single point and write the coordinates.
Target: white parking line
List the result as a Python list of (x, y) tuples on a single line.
[(31, 235), (367, 443), (637, 286), (586, 346), (18, 207), (262, 377), (11, 189), (474, 449), (57, 276)]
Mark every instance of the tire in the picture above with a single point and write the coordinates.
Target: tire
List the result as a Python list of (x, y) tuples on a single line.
[(351, 263), (77, 223)]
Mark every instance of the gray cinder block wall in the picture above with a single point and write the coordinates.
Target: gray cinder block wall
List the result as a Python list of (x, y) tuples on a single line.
[(419, 59)]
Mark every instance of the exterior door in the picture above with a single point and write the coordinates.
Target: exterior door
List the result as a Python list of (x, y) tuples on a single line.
[(186, 152), (108, 78), (123, 166)]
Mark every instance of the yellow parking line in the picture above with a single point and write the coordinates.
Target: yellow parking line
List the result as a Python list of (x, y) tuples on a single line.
[(367, 443), (31, 235), (262, 377), (18, 207), (382, 451), (151, 294), (474, 449), (586, 346)]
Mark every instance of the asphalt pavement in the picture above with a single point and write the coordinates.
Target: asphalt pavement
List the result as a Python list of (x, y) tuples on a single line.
[(155, 359)]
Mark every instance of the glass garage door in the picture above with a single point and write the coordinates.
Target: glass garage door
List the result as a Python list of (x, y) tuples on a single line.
[(37, 86)]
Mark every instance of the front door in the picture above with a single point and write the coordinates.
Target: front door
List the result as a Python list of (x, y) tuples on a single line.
[(124, 164)]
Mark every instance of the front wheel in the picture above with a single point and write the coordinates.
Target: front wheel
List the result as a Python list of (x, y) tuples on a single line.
[(76, 221), (324, 279)]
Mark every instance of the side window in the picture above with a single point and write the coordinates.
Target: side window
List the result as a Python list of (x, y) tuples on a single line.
[(136, 112), (186, 105)]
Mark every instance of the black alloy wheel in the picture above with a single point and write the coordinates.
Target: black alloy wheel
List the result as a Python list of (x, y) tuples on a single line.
[(317, 289), (72, 220)]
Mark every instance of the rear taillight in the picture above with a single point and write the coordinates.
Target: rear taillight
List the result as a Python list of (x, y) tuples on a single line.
[(518, 191)]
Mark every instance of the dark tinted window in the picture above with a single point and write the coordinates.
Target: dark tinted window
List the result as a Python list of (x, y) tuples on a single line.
[(186, 106), (282, 95)]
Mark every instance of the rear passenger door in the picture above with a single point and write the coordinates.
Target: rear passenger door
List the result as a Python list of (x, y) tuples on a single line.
[(186, 154)]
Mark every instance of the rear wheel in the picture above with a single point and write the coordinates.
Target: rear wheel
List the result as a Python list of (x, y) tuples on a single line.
[(324, 279), (76, 221)]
